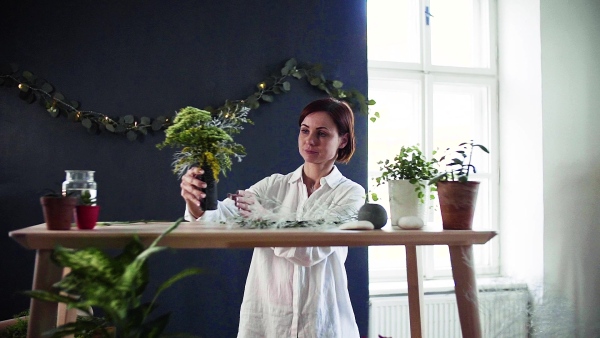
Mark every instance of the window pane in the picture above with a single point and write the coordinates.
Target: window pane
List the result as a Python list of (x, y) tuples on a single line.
[(461, 112), (460, 33), (399, 103), (393, 30)]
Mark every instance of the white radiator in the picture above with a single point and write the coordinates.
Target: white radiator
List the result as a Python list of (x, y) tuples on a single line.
[(503, 314)]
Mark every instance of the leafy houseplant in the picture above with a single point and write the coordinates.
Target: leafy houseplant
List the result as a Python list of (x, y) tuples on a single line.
[(113, 284), (456, 193), (459, 167), (58, 210), (87, 211), (411, 165), (407, 175), (206, 142)]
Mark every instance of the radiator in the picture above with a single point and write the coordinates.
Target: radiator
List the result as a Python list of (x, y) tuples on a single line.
[(503, 314)]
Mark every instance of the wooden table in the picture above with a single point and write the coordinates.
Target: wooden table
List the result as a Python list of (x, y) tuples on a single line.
[(43, 315)]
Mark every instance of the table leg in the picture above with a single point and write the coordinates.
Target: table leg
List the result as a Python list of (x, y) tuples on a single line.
[(465, 287), (415, 291), (64, 315), (42, 315)]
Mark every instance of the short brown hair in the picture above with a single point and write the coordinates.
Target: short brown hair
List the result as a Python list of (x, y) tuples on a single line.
[(343, 117)]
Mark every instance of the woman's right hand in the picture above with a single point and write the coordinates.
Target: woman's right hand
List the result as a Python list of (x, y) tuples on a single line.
[(190, 191)]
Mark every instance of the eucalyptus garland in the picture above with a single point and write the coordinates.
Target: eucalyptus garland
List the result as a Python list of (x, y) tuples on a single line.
[(32, 88)]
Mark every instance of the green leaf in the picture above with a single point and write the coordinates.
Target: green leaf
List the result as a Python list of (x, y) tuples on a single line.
[(131, 135), (286, 86), (267, 98), (297, 75), (315, 81), (86, 123), (29, 76), (129, 119), (482, 148), (145, 120), (58, 96), (291, 63), (110, 127), (46, 87), (157, 125), (337, 84), (373, 119)]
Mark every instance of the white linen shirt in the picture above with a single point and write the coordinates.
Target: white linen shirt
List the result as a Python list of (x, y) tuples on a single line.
[(298, 292)]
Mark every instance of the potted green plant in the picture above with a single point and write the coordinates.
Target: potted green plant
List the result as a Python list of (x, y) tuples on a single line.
[(115, 285), (206, 142), (58, 210), (86, 211), (407, 175), (456, 193)]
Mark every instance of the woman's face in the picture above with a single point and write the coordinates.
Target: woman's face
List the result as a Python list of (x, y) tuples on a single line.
[(319, 140)]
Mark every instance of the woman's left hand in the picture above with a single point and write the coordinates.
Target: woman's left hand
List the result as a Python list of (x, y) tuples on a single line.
[(247, 204)]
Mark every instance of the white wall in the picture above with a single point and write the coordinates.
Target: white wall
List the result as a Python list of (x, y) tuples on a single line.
[(570, 40), (549, 117), (521, 155)]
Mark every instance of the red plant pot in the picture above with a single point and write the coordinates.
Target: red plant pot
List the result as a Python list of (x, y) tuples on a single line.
[(87, 216)]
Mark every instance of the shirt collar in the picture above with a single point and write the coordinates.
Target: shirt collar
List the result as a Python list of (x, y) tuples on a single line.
[(333, 179)]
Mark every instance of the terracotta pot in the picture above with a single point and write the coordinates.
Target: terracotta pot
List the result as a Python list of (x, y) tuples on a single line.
[(87, 216), (457, 204), (58, 212)]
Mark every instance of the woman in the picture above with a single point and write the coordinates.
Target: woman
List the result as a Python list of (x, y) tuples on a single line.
[(297, 292)]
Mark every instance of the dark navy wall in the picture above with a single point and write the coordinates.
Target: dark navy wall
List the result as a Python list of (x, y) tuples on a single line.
[(150, 58)]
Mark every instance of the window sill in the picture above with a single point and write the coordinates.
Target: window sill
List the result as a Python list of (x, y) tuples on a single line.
[(383, 289)]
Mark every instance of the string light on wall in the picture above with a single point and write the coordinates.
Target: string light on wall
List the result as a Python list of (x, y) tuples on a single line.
[(232, 114)]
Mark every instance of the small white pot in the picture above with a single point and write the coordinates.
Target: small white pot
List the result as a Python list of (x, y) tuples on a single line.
[(404, 202)]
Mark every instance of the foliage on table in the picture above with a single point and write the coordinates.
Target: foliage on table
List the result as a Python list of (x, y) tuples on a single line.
[(113, 284), (409, 164), (18, 329), (32, 88), (458, 162), (264, 223)]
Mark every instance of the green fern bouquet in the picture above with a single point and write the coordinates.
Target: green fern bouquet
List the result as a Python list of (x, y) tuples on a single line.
[(205, 141)]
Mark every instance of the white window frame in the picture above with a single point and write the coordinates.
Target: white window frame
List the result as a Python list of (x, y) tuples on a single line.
[(428, 74)]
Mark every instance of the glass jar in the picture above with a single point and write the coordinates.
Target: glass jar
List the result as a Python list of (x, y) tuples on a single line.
[(78, 181)]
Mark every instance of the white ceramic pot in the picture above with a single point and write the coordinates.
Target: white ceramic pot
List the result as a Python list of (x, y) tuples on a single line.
[(404, 202)]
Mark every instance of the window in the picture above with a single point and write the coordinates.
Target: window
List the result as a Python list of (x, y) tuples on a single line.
[(433, 74)]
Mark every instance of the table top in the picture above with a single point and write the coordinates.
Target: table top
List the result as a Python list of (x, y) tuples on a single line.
[(190, 235)]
